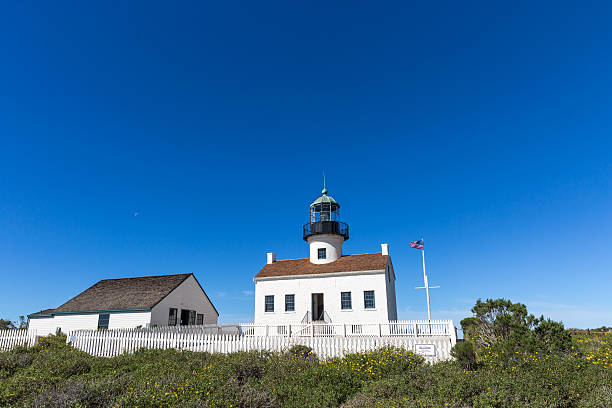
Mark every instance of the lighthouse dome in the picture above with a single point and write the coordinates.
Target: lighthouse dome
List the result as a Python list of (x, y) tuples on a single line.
[(325, 199)]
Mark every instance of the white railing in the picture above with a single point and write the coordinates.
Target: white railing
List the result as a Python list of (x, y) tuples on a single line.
[(410, 328), (399, 328), (16, 337), (194, 329), (109, 343)]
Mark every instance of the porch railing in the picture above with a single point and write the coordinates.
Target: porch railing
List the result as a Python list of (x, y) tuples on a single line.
[(410, 328)]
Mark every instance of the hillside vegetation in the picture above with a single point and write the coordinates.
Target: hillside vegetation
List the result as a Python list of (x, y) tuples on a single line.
[(551, 369)]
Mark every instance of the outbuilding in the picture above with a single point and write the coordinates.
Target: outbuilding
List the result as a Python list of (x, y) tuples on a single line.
[(164, 300)]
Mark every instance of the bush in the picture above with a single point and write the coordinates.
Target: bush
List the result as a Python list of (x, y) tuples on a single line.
[(600, 397), (247, 365), (52, 342), (552, 336), (80, 393), (14, 360), (465, 355), (503, 333), (299, 350), (55, 375)]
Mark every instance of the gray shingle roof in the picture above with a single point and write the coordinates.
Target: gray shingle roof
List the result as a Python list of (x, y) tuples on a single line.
[(44, 312), (126, 293)]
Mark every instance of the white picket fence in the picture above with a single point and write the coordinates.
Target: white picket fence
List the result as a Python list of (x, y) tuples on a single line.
[(109, 343), (16, 337), (432, 339)]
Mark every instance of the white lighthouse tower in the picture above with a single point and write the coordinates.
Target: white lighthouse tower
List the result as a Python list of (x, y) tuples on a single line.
[(324, 232)]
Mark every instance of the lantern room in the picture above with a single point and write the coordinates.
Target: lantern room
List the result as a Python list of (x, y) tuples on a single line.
[(324, 216), (324, 208)]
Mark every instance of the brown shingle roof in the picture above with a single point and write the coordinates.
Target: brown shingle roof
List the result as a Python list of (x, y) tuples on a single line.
[(126, 293), (348, 263)]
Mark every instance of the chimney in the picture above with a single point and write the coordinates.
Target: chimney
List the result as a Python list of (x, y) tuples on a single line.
[(385, 249), (271, 257)]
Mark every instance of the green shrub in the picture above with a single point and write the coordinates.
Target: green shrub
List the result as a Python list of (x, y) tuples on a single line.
[(247, 365), (55, 375), (14, 360), (299, 350), (465, 355), (80, 393), (55, 341), (600, 397)]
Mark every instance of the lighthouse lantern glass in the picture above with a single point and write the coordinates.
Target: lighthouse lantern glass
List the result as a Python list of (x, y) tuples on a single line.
[(324, 212)]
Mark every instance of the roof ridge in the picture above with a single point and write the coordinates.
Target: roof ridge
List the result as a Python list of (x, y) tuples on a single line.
[(147, 276), (125, 293)]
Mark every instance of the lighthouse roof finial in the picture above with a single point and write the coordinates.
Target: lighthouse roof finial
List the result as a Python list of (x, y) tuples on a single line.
[(324, 197), (324, 192)]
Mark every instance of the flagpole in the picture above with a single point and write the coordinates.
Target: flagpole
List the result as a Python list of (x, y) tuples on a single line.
[(421, 245), (425, 280)]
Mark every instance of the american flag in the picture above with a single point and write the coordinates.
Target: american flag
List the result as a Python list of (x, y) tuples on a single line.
[(417, 244)]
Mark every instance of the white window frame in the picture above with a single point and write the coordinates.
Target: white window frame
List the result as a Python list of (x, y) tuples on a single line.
[(365, 303), (350, 301), (266, 303), (292, 303)]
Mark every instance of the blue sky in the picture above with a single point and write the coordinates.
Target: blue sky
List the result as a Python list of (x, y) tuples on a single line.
[(142, 138)]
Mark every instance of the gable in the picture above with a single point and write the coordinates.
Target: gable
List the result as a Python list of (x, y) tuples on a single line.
[(347, 263), (190, 288)]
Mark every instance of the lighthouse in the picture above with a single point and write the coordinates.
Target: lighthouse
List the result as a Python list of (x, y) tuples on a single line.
[(328, 286)]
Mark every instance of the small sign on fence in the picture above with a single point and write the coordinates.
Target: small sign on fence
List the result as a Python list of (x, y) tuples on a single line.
[(425, 350)]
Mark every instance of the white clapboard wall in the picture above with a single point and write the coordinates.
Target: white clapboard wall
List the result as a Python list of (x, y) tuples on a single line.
[(16, 337), (109, 343)]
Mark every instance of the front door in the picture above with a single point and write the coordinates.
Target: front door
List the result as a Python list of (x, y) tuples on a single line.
[(317, 306), (184, 317)]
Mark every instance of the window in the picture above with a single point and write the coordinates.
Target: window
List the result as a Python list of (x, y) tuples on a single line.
[(269, 303), (345, 300), (192, 317), (322, 253), (200, 320), (368, 299), (289, 303), (103, 321), (172, 317)]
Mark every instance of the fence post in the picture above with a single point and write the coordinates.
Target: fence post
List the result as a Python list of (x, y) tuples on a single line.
[(379, 329), (344, 329)]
